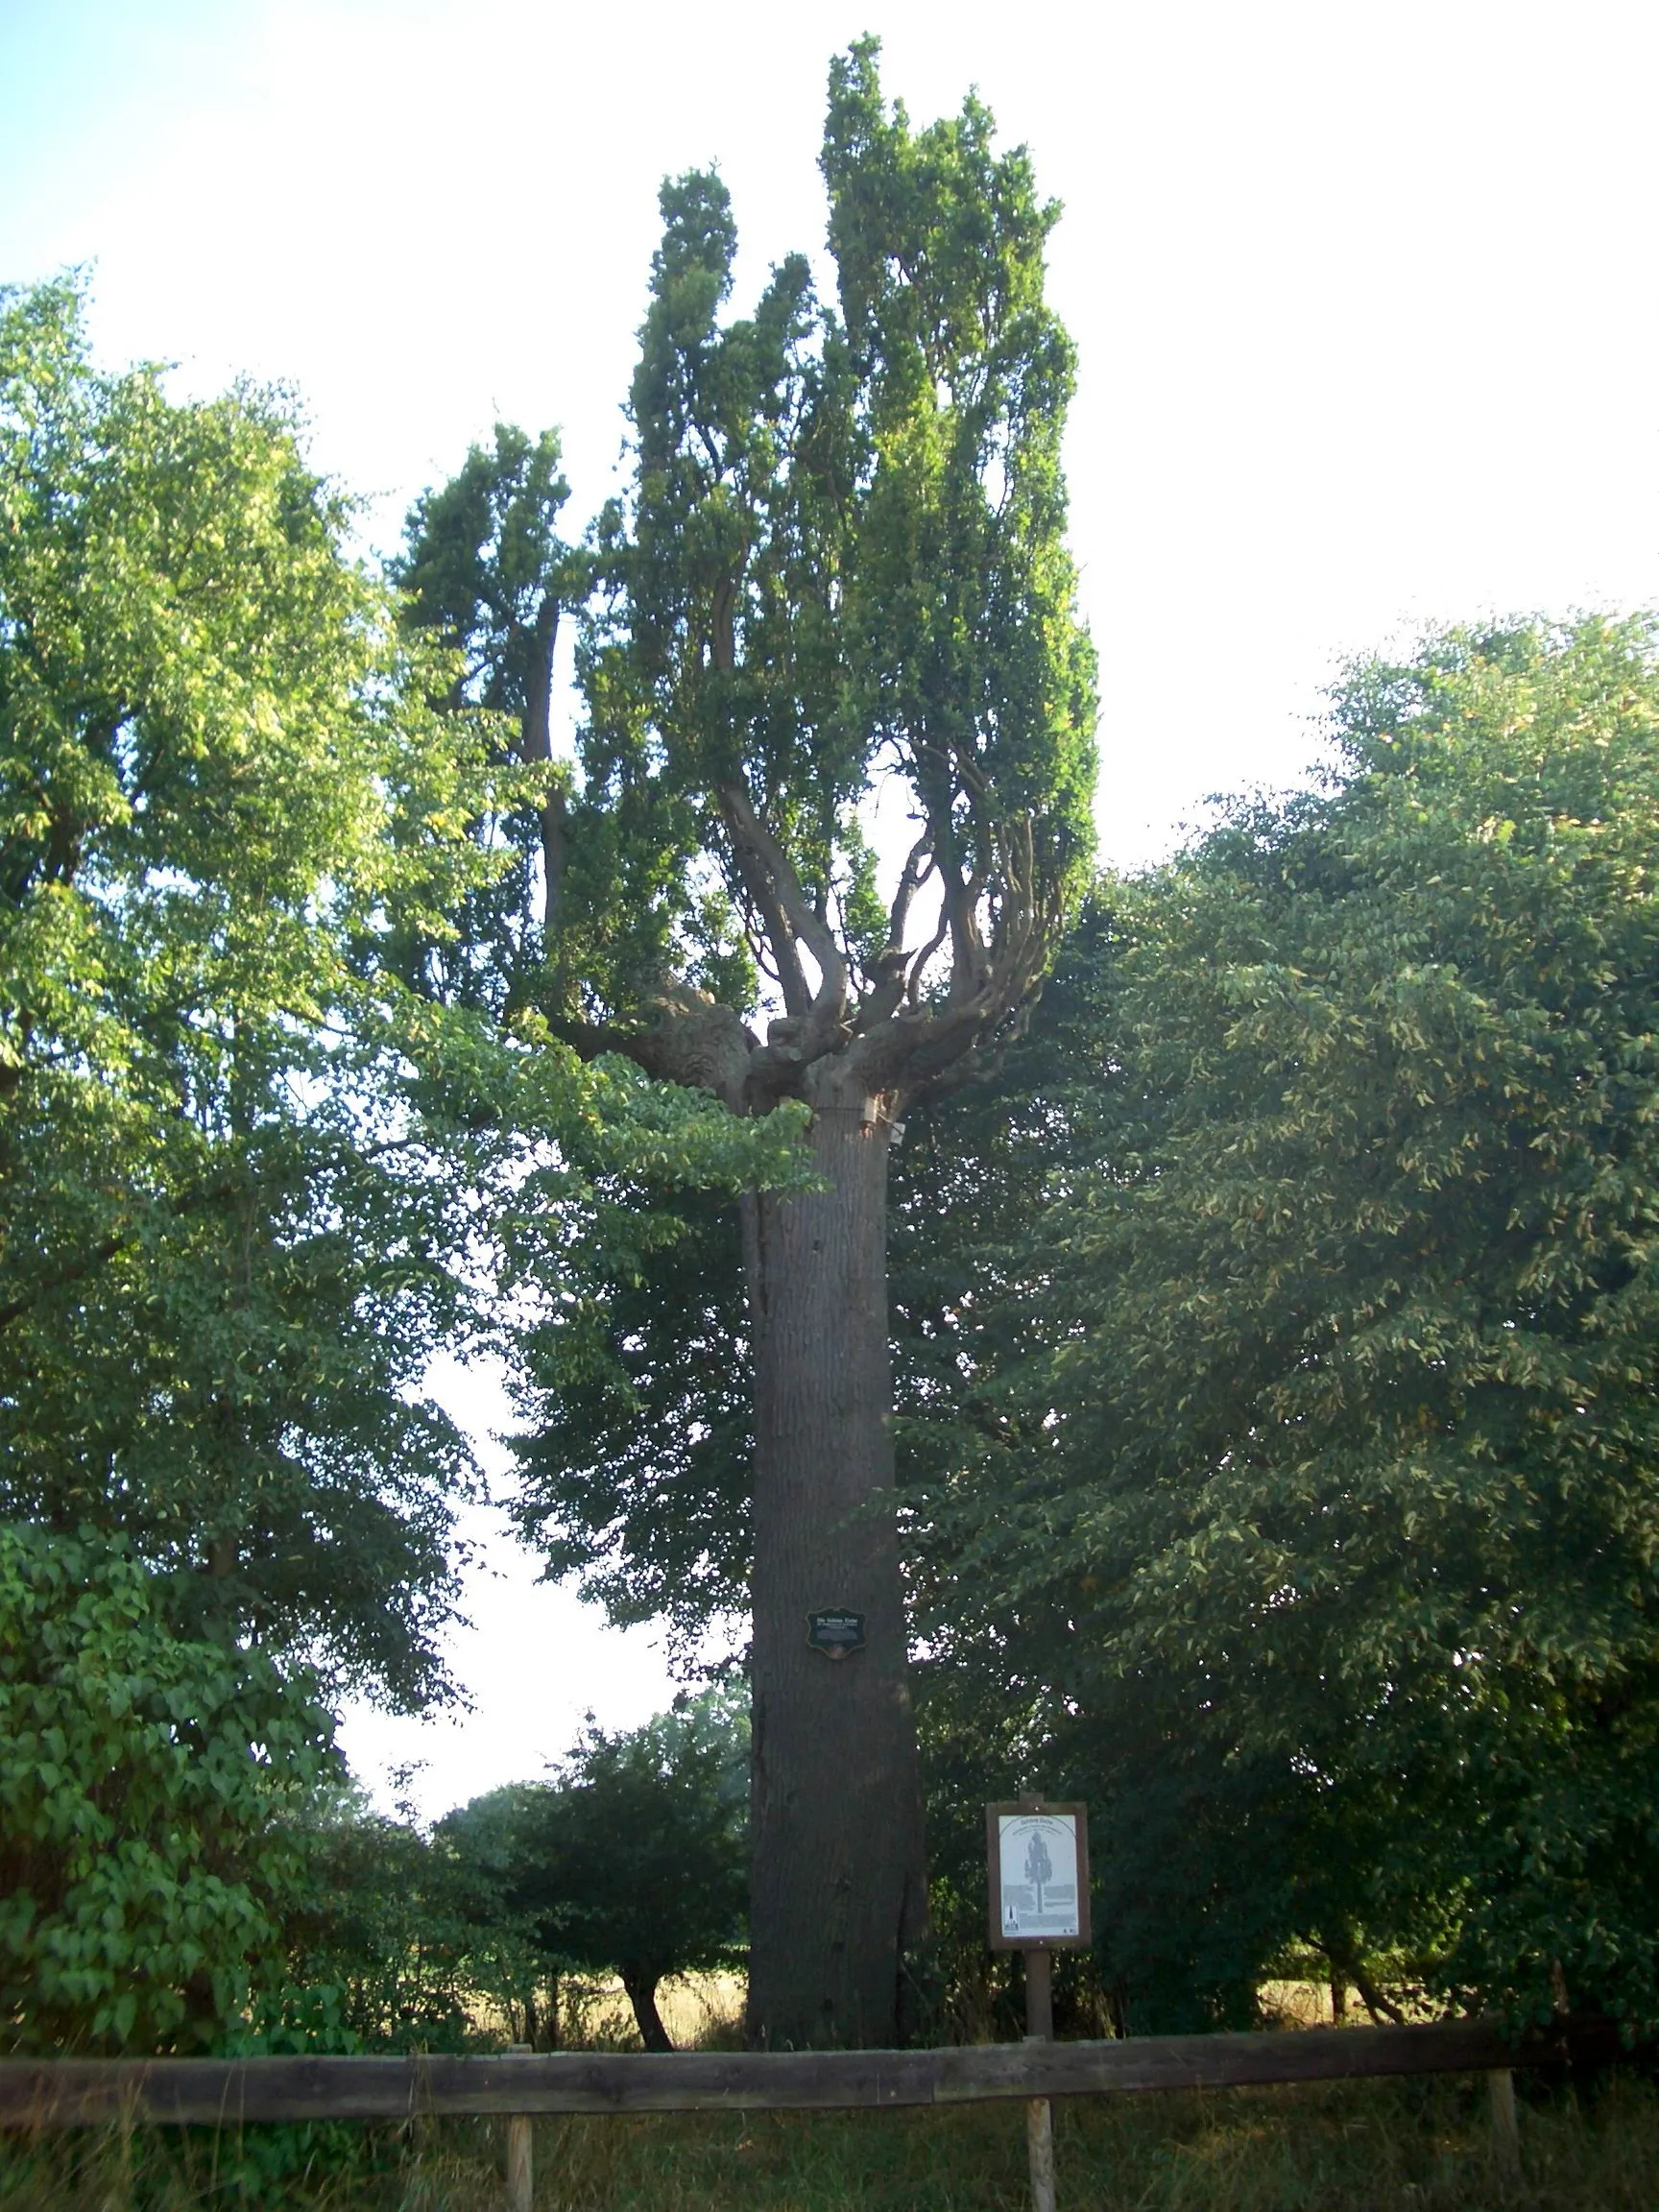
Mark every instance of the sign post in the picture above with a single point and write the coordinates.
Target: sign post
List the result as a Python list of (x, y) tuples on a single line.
[(1038, 1869)]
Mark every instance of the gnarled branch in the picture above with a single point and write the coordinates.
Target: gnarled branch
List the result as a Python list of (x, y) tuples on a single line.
[(754, 846)]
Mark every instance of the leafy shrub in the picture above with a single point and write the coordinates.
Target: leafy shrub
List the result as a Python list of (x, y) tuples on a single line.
[(143, 1784)]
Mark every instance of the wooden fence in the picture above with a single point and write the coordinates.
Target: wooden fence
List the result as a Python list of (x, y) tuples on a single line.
[(91, 2092)]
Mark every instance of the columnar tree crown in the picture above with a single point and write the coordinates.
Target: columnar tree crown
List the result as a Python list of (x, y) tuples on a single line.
[(839, 571)]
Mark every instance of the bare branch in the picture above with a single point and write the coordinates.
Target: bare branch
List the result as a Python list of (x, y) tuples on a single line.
[(918, 967), (825, 1012), (911, 880), (887, 970), (775, 928)]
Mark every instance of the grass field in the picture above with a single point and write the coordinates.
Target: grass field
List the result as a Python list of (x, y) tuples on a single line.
[(1374, 2147)]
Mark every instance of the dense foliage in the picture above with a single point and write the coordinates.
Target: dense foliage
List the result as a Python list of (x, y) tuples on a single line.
[(1276, 1324), (150, 1791), (400, 1938), (222, 1263), (249, 1178), (1318, 1536)]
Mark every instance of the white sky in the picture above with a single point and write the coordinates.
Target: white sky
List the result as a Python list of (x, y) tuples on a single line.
[(1365, 294)]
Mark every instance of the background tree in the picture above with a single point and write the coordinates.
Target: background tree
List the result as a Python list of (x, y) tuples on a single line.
[(633, 1862), (839, 576), (222, 1261), (402, 1938), (486, 572), (1316, 1528), (474, 1873), (240, 1164)]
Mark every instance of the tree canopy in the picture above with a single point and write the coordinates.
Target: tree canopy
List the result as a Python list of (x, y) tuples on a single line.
[(486, 574), (222, 1264), (248, 1181), (1319, 1525)]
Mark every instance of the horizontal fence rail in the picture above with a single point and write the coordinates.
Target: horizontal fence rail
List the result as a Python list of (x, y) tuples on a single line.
[(89, 2092)]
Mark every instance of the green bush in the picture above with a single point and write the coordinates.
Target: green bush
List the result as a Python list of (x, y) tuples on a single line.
[(144, 1782)]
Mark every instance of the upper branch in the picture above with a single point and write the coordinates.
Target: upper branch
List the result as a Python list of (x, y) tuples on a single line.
[(893, 961), (775, 926), (755, 848)]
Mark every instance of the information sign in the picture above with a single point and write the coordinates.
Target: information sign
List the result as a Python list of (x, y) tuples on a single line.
[(1039, 1875)]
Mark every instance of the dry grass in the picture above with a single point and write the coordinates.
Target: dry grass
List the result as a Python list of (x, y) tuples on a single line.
[(699, 2010)]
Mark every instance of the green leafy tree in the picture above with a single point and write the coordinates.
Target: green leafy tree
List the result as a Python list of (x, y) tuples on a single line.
[(1317, 1525), (149, 1792), (838, 577), (222, 1257), (633, 1862), (479, 1872), (242, 1164)]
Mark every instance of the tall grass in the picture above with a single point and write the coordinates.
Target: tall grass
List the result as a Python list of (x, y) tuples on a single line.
[(1369, 2147)]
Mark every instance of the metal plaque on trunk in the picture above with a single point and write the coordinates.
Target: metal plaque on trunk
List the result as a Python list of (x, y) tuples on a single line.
[(1039, 1870), (835, 1632)]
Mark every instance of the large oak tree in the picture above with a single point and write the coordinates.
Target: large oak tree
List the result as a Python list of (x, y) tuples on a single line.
[(836, 586), (839, 573)]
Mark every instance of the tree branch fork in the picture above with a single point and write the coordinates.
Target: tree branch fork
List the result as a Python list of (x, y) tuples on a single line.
[(888, 1042)]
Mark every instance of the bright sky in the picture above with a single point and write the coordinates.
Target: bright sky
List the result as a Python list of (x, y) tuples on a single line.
[(1363, 294)]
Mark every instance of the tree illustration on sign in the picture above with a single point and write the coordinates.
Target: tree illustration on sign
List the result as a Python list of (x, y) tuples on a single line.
[(1039, 1866)]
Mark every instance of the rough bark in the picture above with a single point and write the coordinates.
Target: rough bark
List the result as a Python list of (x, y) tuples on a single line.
[(838, 1891), (839, 1878)]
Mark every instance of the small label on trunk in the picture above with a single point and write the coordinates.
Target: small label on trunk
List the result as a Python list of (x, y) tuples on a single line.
[(835, 1632)]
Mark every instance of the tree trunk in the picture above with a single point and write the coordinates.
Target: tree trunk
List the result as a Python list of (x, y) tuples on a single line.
[(641, 1989), (839, 1880)]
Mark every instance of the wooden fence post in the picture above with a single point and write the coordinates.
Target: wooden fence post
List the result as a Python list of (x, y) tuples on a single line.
[(1505, 2134), (520, 2156), (1039, 2112)]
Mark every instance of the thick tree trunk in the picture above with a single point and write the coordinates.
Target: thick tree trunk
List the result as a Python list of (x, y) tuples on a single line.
[(839, 1880)]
